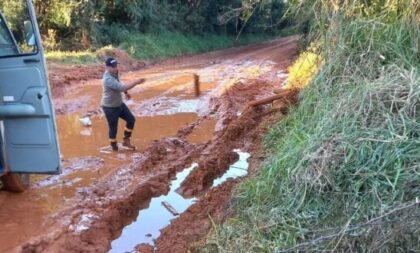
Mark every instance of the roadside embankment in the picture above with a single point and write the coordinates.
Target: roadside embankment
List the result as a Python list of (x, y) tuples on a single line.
[(343, 172)]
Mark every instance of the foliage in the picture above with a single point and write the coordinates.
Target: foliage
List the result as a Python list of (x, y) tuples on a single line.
[(85, 24), (157, 46), (344, 169), (169, 44), (16, 13)]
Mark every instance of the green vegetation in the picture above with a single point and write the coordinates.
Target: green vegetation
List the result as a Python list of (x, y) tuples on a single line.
[(74, 30), (344, 169), (168, 44), (158, 46), (88, 25), (72, 57)]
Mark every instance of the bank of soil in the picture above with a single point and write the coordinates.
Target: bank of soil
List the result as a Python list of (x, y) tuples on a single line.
[(117, 186)]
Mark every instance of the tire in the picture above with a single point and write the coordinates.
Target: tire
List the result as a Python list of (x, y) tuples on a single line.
[(15, 182)]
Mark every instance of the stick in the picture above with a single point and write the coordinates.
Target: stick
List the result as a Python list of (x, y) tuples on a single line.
[(288, 95), (170, 208), (197, 85)]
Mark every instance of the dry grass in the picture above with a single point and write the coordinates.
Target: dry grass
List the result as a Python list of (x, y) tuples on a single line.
[(303, 70)]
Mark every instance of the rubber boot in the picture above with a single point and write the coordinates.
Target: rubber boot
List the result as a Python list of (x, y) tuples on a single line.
[(114, 146), (126, 143)]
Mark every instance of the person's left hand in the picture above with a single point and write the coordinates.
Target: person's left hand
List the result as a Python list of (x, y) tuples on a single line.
[(127, 96)]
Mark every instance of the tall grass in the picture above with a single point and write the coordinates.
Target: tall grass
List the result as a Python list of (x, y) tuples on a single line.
[(344, 174)]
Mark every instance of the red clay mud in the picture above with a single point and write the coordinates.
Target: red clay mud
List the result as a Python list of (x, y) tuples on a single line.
[(215, 203), (97, 213), (161, 161), (238, 130), (111, 204)]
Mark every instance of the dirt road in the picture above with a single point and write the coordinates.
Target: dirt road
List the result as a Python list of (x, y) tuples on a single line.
[(192, 153)]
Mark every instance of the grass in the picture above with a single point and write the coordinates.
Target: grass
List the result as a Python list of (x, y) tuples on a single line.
[(71, 57), (170, 44), (303, 70), (344, 172), (158, 46)]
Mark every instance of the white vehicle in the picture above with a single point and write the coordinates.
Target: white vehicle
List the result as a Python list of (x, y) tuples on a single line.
[(28, 136)]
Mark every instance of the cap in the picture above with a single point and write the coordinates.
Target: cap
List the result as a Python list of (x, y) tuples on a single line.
[(111, 62)]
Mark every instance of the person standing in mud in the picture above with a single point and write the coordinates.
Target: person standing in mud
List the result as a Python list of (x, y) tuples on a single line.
[(113, 106)]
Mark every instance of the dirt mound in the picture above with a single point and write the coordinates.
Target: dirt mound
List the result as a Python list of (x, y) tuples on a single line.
[(124, 60), (231, 103), (243, 132), (62, 76), (219, 155), (240, 93), (239, 127)]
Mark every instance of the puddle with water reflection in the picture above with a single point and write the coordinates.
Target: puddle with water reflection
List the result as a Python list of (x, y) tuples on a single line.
[(236, 170), (156, 217), (151, 220)]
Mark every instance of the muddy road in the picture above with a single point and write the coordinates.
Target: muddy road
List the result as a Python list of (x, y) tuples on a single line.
[(192, 152)]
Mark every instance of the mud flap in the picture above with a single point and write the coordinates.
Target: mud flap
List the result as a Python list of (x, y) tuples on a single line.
[(15, 182)]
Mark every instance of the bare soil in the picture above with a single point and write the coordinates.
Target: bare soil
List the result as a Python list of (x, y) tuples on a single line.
[(103, 193)]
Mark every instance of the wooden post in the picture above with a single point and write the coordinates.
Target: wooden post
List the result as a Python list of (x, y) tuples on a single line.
[(197, 85), (289, 96)]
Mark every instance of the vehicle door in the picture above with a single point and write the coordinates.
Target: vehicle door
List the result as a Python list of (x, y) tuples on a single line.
[(28, 132)]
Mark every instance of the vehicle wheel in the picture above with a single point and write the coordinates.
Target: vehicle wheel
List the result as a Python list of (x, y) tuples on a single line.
[(15, 182)]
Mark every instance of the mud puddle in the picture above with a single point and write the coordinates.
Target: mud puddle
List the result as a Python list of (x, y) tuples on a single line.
[(91, 142), (151, 220), (84, 165), (236, 170), (88, 206), (77, 140), (163, 209), (163, 105)]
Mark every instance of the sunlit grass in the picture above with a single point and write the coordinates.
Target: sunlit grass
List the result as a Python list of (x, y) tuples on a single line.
[(71, 57), (303, 70)]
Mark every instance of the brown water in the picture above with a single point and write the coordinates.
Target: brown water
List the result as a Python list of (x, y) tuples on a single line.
[(77, 140)]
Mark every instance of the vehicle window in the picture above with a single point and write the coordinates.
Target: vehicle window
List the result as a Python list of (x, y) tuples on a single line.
[(16, 29)]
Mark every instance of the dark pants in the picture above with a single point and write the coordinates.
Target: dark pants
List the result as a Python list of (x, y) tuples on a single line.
[(112, 115)]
